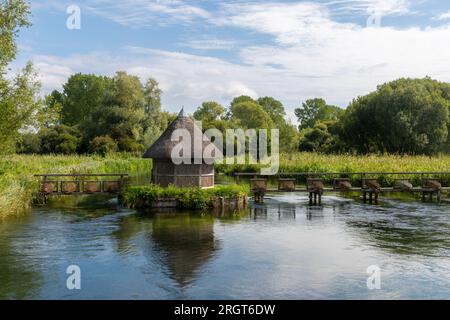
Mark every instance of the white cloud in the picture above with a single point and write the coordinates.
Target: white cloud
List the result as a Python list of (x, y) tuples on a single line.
[(313, 56), (146, 13), (443, 16), (210, 44)]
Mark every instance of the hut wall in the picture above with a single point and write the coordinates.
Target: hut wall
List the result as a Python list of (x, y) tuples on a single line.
[(165, 173)]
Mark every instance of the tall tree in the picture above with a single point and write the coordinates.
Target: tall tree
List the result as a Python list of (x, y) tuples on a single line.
[(250, 115), (83, 93), (274, 108), (19, 99), (403, 116), (316, 110), (152, 94), (209, 111)]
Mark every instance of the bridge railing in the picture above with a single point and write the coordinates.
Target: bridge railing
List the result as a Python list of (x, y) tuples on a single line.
[(66, 184)]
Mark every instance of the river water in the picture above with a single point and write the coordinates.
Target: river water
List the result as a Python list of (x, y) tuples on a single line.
[(282, 249)]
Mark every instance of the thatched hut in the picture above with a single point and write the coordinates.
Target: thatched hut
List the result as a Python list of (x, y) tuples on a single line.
[(165, 172)]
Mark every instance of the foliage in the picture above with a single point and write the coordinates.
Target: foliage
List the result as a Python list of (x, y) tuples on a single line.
[(403, 116), (209, 111), (189, 198), (14, 15), (82, 95), (18, 104), (274, 109), (50, 113), (250, 115), (316, 162), (19, 96), (17, 183), (316, 110), (29, 143), (59, 139), (103, 145)]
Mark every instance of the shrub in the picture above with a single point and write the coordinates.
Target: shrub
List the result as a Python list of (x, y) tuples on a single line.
[(189, 198), (103, 145), (129, 145), (59, 139), (29, 143)]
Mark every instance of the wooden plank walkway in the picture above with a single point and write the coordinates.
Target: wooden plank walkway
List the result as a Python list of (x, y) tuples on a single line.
[(370, 187)]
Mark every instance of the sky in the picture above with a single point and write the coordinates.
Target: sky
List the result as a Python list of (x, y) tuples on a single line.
[(206, 50)]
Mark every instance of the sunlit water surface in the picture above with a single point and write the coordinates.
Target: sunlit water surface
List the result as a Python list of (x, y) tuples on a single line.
[(282, 249)]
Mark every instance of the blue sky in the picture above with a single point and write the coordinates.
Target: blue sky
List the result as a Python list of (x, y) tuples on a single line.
[(215, 50)]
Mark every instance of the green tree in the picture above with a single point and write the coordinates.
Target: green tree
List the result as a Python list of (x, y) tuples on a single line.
[(50, 113), (241, 99), (274, 109), (122, 111), (316, 110), (103, 145), (59, 139), (152, 94), (83, 94), (317, 139), (403, 116), (155, 120), (209, 111), (250, 115), (14, 15), (18, 97)]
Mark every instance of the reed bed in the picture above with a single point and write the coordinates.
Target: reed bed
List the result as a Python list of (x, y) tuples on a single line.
[(314, 162)]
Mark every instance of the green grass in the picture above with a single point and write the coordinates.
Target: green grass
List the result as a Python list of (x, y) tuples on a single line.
[(313, 162), (189, 198), (17, 183)]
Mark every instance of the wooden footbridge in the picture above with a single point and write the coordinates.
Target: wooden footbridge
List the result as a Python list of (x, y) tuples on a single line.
[(369, 184), (80, 184)]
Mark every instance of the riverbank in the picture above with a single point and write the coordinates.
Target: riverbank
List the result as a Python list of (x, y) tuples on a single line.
[(314, 162), (152, 196), (18, 184)]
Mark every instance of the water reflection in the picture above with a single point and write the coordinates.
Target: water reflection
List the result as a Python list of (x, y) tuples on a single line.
[(19, 277), (280, 249), (182, 242), (187, 243)]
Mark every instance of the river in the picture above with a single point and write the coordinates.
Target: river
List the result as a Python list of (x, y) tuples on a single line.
[(282, 249)]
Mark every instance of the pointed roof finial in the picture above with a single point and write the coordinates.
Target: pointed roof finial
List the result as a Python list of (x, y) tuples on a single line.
[(182, 114)]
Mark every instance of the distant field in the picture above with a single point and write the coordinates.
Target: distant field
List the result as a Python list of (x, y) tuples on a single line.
[(17, 183)]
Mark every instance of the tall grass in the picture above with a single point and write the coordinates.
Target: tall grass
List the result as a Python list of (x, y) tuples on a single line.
[(18, 184), (314, 162)]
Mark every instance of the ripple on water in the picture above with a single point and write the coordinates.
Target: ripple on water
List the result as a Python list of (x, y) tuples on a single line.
[(280, 249)]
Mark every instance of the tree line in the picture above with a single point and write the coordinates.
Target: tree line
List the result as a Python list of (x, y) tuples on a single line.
[(100, 114)]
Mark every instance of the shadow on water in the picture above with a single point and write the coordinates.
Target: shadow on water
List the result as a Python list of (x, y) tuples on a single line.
[(19, 278)]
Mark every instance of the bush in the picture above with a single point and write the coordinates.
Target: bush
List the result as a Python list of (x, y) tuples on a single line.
[(59, 139), (190, 198), (103, 145), (29, 143), (129, 145)]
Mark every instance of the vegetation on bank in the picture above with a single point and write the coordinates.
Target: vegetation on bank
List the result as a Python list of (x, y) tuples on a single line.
[(18, 184), (315, 162), (188, 198)]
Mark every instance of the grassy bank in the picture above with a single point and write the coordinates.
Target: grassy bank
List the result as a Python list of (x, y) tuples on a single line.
[(189, 198), (17, 183), (313, 162)]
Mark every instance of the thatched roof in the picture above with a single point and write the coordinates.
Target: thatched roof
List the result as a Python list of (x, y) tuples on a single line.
[(162, 148)]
